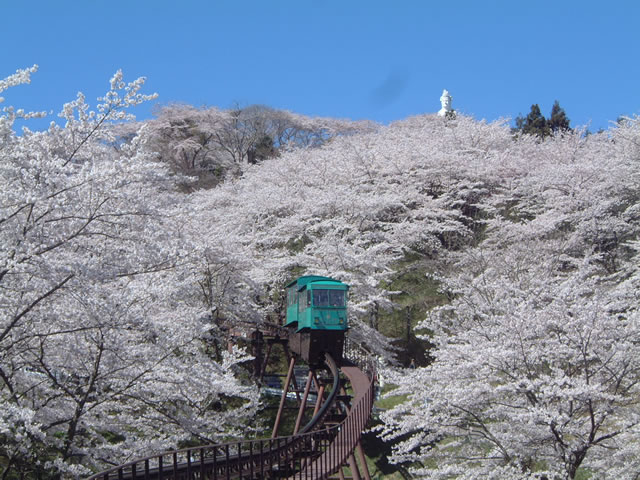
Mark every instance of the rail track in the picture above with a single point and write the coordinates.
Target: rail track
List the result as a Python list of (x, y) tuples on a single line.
[(317, 451)]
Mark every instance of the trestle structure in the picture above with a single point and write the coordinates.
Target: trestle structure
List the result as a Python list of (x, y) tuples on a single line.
[(317, 450)]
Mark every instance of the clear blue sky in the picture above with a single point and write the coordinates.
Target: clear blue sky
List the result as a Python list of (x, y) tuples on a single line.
[(374, 59)]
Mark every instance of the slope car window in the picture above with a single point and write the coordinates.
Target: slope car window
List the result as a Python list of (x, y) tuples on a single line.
[(292, 296), (337, 298), (304, 300), (328, 298)]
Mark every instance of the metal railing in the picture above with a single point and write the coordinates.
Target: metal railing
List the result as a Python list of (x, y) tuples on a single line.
[(363, 358), (309, 455), (345, 441), (278, 457)]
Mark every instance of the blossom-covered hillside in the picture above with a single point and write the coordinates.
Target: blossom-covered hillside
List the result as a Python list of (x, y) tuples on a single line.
[(119, 281), (534, 242)]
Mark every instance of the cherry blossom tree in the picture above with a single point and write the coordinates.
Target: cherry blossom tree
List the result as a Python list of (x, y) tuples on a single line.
[(184, 138), (211, 144), (119, 292), (354, 207), (536, 366), (535, 371), (104, 344)]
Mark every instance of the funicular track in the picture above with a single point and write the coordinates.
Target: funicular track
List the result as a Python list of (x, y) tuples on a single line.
[(317, 451)]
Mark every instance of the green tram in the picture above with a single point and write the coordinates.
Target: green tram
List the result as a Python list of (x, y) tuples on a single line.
[(317, 311)]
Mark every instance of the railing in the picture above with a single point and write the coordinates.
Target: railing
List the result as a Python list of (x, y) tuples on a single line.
[(308, 455), (265, 458), (363, 358), (346, 439)]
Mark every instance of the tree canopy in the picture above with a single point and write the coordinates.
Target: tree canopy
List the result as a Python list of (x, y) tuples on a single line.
[(95, 362), (120, 280), (536, 124), (536, 364)]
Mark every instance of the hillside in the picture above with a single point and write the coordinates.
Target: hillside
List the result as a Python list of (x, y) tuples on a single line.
[(533, 242), (118, 281)]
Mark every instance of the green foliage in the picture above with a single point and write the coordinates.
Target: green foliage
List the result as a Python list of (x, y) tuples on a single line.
[(264, 148), (389, 401), (377, 450), (536, 124), (558, 122), (377, 454), (417, 294), (296, 245)]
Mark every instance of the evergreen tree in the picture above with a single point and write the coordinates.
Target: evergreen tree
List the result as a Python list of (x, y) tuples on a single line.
[(536, 124), (262, 150), (558, 122)]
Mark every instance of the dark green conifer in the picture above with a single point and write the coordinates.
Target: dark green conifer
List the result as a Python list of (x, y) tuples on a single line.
[(558, 122), (536, 124)]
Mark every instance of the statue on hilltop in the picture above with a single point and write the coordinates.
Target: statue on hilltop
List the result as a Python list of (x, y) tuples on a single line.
[(445, 101)]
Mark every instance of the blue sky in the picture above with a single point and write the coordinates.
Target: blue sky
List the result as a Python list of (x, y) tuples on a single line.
[(376, 60)]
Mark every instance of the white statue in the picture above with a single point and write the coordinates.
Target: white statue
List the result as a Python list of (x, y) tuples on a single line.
[(445, 101)]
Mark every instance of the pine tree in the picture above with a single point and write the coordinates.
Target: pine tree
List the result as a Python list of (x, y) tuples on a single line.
[(558, 122), (536, 124)]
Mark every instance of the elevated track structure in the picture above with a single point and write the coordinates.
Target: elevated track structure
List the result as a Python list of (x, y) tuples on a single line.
[(328, 446)]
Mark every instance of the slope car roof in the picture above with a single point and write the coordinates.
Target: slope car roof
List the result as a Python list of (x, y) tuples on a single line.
[(305, 280)]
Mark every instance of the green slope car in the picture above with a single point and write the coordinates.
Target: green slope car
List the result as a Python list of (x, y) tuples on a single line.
[(317, 303), (317, 312)]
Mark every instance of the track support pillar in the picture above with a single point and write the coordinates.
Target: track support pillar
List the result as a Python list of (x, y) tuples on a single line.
[(283, 398)]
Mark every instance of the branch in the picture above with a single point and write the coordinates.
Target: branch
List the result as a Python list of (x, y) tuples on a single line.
[(31, 306), (7, 382), (2, 220), (87, 137), (487, 434)]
